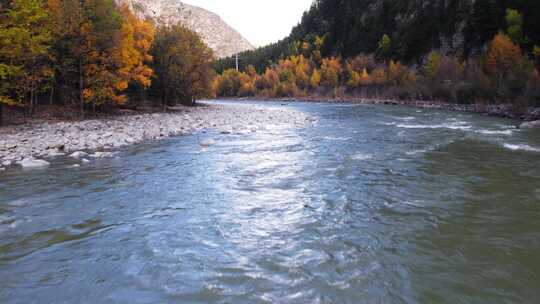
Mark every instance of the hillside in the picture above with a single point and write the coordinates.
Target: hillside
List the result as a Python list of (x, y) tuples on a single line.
[(457, 27), (218, 35)]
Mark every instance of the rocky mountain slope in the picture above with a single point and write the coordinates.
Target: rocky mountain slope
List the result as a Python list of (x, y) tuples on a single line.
[(218, 35)]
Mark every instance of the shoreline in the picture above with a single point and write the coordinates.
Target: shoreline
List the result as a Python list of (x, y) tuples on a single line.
[(34, 145), (494, 110)]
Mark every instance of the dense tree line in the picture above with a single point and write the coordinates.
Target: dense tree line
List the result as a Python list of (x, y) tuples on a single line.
[(396, 49), (456, 27), (96, 54), (504, 72)]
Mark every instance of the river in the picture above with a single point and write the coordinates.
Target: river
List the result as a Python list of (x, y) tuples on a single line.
[(372, 204)]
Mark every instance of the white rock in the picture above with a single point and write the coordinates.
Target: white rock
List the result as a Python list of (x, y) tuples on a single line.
[(7, 163), (75, 166), (530, 124), (78, 154), (2, 169), (85, 161), (30, 163), (207, 142)]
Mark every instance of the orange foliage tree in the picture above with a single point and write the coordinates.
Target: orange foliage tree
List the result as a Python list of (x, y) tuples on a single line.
[(502, 57)]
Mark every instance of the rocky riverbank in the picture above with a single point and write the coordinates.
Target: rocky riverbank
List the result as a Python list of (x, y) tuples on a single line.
[(496, 110), (34, 146)]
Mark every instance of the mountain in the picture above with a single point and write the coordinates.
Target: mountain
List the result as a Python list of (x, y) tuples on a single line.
[(218, 35), (351, 27)]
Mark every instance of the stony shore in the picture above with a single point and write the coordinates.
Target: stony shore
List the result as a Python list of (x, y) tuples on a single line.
[(33, 146), (496, 110)]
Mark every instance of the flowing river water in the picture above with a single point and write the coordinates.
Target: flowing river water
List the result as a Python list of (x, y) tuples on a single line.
[(372, 204)]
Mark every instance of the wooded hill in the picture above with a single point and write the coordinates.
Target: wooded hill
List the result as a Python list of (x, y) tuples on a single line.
[(415, 27), (474, 52)]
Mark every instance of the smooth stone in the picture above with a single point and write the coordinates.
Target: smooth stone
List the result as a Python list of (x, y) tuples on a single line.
[(7, 163), (85, 161), (33, 163), (207, 142), (530, 124), (78, 154)]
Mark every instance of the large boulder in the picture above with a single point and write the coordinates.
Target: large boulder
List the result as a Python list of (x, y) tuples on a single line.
[(530, 124)]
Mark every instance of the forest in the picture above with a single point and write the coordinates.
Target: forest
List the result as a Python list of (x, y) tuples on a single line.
[(482, 51), (96, 55)]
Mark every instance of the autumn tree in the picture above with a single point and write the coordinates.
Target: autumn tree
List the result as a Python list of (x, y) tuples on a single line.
[(270, 82), (433, 63), (24, 43), (88, 36), (228, 83), (330, 71), (132, 54), (315, 79), (503, 55), (182, 64)]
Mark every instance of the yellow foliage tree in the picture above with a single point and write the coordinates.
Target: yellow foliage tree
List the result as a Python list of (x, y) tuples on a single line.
[(271, 81), (354, 79), (132, 53), (330, 71), (365, 79), (315, 79), (378, 76), (25, 40), (432, 65)]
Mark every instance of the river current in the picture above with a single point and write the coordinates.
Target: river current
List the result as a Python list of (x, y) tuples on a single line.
[(371, 204)]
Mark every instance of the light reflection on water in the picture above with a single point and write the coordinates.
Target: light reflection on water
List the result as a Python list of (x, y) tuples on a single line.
[(370, 205)]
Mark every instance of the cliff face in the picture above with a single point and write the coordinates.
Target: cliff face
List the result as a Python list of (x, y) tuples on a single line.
[(218, 35)]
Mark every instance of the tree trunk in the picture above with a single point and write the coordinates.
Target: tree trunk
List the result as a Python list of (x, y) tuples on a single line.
[(51, 96), (31, 107), (165, 102), (1, 117), (81, 88)]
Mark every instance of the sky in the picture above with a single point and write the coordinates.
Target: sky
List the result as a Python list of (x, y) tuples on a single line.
[(259, 21)]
